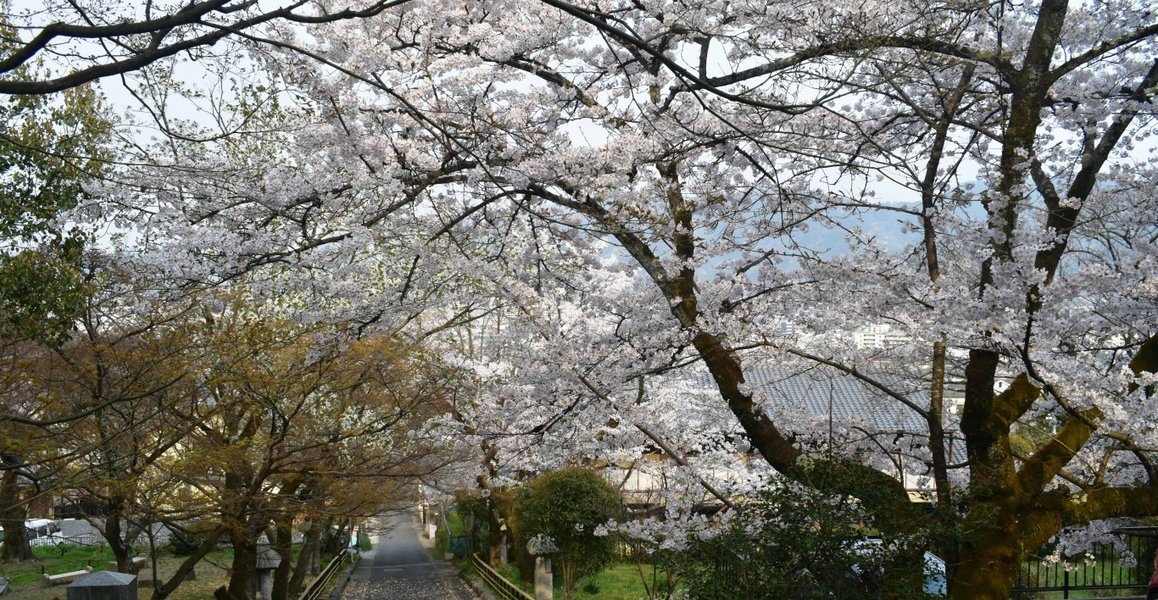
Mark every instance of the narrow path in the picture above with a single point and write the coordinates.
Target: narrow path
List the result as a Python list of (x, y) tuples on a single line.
[(400, 568)]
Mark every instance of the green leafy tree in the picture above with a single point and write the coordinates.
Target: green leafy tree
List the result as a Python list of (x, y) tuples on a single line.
[(793, 540), (41, 292), (569, 505), (49, 149)]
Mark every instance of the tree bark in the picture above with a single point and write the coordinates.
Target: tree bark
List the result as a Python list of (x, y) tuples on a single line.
[(988, 566), (283, 545), (13, 512), (308, 557), (112, 528), (243, 576), (162, 591)]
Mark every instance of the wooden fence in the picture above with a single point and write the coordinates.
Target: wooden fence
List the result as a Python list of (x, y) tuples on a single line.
[(503, 589), (315, 589)]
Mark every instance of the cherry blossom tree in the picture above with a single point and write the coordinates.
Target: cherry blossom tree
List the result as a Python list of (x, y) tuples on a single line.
[(680, 193), (96, 39)]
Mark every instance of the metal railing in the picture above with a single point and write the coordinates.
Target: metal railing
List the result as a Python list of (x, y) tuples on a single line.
[(1102, 568), (84, 539), (503, 589), (318, 585)]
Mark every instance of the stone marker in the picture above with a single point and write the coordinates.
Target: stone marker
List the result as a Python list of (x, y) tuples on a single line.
[(267, 560), (542, 547), (103, 585)]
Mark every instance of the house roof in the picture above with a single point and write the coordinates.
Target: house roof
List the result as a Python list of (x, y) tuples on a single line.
[(821, 391)]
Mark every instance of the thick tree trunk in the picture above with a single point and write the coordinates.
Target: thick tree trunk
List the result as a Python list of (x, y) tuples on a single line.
[(112, 528), (13, 512), (988, 566), (987, 556), (243, 575), (308, 559), (162, 591), (497, 549), (332, 539), (283, 545)]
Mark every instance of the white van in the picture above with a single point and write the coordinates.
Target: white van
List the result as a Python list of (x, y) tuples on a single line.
[(41, 532)]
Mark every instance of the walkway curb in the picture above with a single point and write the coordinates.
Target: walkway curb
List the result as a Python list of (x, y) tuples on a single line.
[(340, 587), (476, 585)]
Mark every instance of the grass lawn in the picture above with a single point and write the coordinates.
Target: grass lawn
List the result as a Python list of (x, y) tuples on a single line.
[(1105, 570), (442, 536), (26, 583), (618, 582), (1084, 594)]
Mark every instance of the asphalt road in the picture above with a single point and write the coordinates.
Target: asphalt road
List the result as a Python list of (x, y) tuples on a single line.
[(400, 568)]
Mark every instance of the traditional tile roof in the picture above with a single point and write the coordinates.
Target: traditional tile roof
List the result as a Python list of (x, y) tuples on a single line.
[(821, 391)]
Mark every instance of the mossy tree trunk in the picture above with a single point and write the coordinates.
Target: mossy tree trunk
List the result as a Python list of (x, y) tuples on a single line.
[(13, 512)]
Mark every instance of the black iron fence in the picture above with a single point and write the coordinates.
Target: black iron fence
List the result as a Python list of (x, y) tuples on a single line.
[(1101, 569)]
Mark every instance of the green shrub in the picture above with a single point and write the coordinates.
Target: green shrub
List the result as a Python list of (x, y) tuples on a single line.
[(568, 505), (794, 541), (441, 539), (509, 572)]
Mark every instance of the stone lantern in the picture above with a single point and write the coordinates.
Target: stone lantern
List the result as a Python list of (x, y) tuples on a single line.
[(267, 560), (542, 547)]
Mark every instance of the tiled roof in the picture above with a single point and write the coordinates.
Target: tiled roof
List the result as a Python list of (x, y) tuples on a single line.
[(819, 390)]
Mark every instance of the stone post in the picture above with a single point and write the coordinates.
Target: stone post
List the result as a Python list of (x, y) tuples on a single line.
[(103, 585), (542, 547), (503, 544), (544, 579), (267, 561)]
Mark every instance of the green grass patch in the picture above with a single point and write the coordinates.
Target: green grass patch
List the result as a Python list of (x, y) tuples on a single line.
[(26, 581), (618, 582), (1107, 570), (455, 526), (509, 572), (55, 560), (1079, 594), (454, 521)]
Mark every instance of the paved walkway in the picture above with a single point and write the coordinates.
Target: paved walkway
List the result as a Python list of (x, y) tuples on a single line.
[(400, 568)]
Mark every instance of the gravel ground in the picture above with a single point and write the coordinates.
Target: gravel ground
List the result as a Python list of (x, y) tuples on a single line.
[(401, 568)]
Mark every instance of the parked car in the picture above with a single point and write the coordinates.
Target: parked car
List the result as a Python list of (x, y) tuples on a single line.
[(936, 583), (40, 529)]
